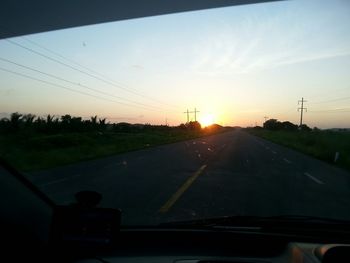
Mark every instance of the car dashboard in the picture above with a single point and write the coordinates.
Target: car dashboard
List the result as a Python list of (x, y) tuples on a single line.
[(178, 246)]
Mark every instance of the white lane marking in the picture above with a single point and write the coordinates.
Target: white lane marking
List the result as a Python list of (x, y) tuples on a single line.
[(313, 178), (273, 152), (286, 160), (199, 155), (267, 148)]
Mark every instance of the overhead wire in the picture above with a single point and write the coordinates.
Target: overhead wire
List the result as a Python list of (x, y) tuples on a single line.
[(78, 70), (66, 88), (72, 82), (68, 59)]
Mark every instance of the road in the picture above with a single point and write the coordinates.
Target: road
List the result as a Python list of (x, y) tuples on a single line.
[(232, 173)]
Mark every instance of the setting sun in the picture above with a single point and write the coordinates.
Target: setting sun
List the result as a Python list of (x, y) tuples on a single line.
[(207, 120)]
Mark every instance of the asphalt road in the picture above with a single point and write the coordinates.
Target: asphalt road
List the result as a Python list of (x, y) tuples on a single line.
[(233, 173)]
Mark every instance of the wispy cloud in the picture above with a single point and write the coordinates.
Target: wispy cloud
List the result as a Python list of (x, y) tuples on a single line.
[(258, 44)]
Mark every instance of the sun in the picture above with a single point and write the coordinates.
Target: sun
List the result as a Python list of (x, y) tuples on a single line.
[(207, 120)]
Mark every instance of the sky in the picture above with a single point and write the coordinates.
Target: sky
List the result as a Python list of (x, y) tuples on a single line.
[(235, 65)]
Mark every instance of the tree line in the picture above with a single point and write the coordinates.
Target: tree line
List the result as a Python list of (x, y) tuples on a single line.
[(275, 125), (50, 123), (66, 123)]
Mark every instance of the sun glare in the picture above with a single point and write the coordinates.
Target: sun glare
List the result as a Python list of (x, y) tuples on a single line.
[(206, 120)]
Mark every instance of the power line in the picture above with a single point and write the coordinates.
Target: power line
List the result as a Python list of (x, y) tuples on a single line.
[(66, 88), (76, 69), (72, 82), (68, 59)]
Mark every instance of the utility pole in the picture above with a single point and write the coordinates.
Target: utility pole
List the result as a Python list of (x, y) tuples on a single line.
[(195, 114), (301, 110), (188, 115)]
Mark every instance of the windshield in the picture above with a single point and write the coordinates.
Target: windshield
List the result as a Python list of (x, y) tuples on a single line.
[(240, 110)]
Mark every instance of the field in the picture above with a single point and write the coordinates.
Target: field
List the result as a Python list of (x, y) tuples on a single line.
[(320, 144), (28, 151)]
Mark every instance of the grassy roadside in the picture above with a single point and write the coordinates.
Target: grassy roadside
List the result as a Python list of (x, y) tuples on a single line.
[(320, 144), (32, 151)]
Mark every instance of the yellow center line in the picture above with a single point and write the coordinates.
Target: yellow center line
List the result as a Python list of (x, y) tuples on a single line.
[(165, 208)]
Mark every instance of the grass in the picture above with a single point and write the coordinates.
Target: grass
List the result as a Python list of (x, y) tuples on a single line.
[(320, 144), (33, 151)]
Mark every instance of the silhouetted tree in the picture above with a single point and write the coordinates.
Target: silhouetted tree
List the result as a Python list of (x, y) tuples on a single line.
[(182, 126), (102, 123), (288, 126), (272, 124), (15, 120), (93, 122), (193, 125), (66, 119), (304, 127), (28, 119)]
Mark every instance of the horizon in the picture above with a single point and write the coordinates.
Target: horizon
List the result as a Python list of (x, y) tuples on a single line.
[(235, 65), (4, 115)]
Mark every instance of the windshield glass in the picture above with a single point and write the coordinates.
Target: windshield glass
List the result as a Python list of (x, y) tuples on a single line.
[(240, 110)]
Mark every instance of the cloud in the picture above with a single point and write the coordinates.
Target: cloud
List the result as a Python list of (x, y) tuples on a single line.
[(259, 44)]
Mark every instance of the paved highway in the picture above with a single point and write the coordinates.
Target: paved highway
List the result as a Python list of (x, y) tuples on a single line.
[(233, 173)]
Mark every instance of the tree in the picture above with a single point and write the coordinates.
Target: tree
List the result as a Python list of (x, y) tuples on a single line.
[(15, 120), (102, 123), (66, 119), (28, 119), (49, 119), (288, 126), (272, 124), (193, 125), (304, 127)]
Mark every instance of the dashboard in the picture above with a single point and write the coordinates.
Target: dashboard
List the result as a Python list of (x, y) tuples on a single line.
[(212, 247)]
